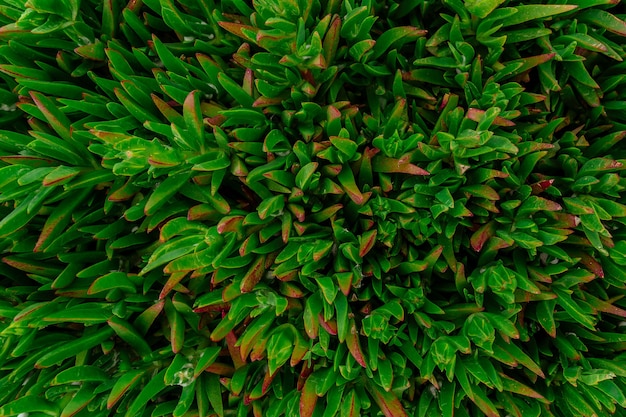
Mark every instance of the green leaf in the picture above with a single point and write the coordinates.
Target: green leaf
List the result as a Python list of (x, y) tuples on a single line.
[(171, 62), (124, 383), (206, 359), (347, 181), (446, 399), (70, 349), (30, 404), (394, 38), (58, 121), (20, 216), (482, 8), (545, 316), (388, 403), (192, 114), (565, 300), (82, 373), (166, 190), (527, 13), (351, 405), (279, 348), (130, 335), (147, 393), (235, 90)]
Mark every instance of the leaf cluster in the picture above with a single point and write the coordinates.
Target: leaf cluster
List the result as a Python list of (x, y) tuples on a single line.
[(318, 208)]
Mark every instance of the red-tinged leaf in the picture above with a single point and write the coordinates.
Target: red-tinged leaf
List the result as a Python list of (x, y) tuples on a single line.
[(124, 193), (55, 117), (177, 326), (203, 212), (297, 211), (590, 263), (517, 387), (535, 203), (123, 383), (354, 345), (604, 306), (324, 214), (286, 224), (248, 82), (344, 279), (331, 40), (520, 66), (321, 250), (266, 101), (31, 266), (192, 114), (604, 20), (254, 275), (477, 116), (111, 138), (308, 398), (541, 186), (60, 175), (384, 164), (329, 325), (59, 219), (230, 224), (598, 165), (243, 31), (267, 382), (388, 403), (220, 369), (92, 51), (234, 350), (143, 322), (501, 355), (313, 307), (271, 206), (32, 161), (483, 402), (172, 282), (367, 241), (346, 179), (24, 73), (300, 349), (291, 290), (482, 235), (351, 406), (482, 191), (166, 109)]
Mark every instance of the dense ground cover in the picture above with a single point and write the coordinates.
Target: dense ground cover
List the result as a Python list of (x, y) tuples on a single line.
[(319, 208)]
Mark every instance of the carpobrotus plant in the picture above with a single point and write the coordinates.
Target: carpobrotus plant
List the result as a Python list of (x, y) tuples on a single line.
[(317, 208)]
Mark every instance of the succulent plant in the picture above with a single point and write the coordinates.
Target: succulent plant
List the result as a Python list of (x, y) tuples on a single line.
[(312, 207)]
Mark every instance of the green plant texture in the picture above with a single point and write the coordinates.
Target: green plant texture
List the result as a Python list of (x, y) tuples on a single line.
[(312, 208)]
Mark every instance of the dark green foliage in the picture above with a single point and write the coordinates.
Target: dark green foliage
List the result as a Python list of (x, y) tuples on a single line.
[(318, 208)]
